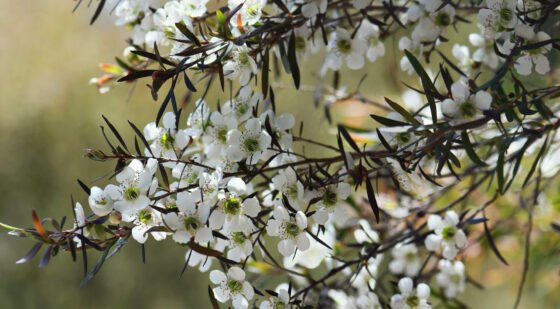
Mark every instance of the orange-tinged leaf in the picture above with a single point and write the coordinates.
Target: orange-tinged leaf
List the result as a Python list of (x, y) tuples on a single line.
[(240, 24), (39, 227), (111, 68)]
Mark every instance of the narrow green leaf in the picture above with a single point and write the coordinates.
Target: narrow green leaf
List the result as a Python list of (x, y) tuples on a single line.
[(292, 58), (469, 149), (399, 109), (427, 83)]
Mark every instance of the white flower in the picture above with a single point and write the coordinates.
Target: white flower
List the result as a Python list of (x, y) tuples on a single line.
[(361, 4), (451, 277), (196, 259), (364, 280), (365, 234), (317, 252), (341, 299), (167, 142), (414, 47), (464, 105), (240, 65), (287, 183), (248, 144), (233, 286), (407, 181), (198, 119), (250, 11), (406, 260), (290, 229), (234, 208), (282, 300), (190, 222), (194, 8), (242, 105), (135, 181), (370, 33), (145, 220), (485, 52), (188, 173), (446, 234), (330, 203), (215, 136), (524, 64), (497, 18), (313, 8), (368, 300), (410, 297), (342, 48), (100, 202), (462, 54)]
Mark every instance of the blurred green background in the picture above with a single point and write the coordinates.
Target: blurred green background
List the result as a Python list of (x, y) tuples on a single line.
[(49, 115)]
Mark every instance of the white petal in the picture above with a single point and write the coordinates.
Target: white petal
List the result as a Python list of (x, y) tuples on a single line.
[(217, 219), (451, 218), (286, 247), (236, 273), (217, 277), (406, 286), (248, 290), (181, 237), (432, 242), (281, 214), (138, 233), (251, 207), (460, 238), (301, 220), (237, 185), (449, 252), (483, 100), (435, 222), (203, 235), (523, 65), (542, 66), (303, 242), (423, 291), (321, 216)]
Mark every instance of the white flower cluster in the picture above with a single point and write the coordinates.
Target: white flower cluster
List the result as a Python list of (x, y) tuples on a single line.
[(232, 185)]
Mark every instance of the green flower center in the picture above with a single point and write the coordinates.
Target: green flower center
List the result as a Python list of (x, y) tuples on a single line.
[(242, 108), (253, 10), (279, 305), (235, 286), (455, 278), (293, 191), (144, 216), (232, 206), (413, 301), (132, 193), (403, 137), (167, 141), (344, 46), (448, 232), (192, 224), (222, 135), (506, 14), (467, 109), (292, 229), (239, 238), (443, 19), (171, 206), (410, 257), (251, 144), (244, 58), (330, 198)]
